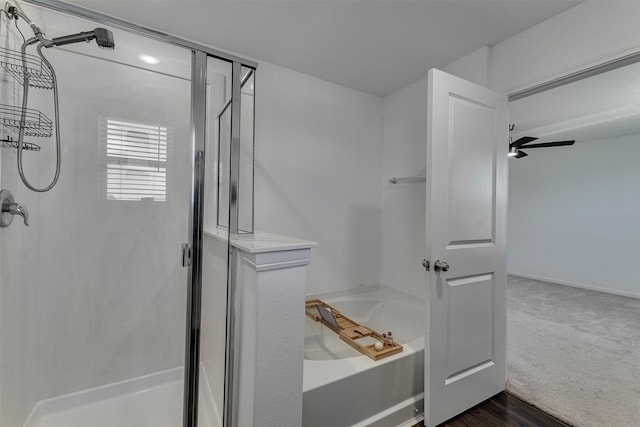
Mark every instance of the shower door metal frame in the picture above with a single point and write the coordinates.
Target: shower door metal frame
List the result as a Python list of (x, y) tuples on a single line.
[(196, 229), (200, 53), (140, 30), (231, 374), (196, 232)]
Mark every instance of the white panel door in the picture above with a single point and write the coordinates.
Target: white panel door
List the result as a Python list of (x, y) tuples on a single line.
[(465, 339)]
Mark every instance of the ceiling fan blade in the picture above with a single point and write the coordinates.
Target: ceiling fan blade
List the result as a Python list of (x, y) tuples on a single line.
[(520, 154), (551, 144), (521, 141)]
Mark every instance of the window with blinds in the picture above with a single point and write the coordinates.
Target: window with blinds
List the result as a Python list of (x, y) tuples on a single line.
[(136, 161)]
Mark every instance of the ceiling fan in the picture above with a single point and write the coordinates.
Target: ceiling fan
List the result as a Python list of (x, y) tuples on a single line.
[(515, 146)]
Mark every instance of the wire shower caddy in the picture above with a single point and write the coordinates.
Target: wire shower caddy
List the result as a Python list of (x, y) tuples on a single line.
[(32, 67), (35, 124)]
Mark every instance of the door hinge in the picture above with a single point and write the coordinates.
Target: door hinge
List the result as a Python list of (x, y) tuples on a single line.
[(426, 264), (186, 254)]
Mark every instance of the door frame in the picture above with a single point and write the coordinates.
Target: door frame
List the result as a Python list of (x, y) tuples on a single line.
[(563, 79)]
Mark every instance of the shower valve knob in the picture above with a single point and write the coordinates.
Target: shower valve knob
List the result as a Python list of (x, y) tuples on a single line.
[(9, 208), (18, 209)]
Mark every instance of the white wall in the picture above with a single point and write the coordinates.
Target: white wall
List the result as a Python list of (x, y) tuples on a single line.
[(318, 171), (473, 67), (600, 31), (585, 35), (573, 215), (404, 153)]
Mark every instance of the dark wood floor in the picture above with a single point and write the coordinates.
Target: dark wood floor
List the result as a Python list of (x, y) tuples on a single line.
[(502, 410)]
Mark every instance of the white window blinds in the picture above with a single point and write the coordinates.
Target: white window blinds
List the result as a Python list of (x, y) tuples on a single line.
[(136, 161)]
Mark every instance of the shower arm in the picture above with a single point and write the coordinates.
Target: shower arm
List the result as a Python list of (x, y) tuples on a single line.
[(106, 39)]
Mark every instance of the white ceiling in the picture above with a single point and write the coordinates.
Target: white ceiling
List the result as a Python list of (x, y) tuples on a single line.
[(377, 47)]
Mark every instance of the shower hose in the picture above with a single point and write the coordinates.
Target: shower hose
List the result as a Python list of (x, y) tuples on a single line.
[(23, 114)]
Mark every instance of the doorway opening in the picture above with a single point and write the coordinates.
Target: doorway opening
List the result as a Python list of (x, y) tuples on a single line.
[(573, 345)]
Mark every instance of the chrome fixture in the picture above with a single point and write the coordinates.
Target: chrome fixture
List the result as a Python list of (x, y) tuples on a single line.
[(102, 36), (416, 178), (10, 208), (187, 254), (104, 39), (243, 82), (440, 266)]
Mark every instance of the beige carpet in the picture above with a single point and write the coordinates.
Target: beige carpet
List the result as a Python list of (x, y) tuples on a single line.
[(574, 353)]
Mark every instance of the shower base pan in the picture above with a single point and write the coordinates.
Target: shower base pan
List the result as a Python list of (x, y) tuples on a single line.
[(152, 400)]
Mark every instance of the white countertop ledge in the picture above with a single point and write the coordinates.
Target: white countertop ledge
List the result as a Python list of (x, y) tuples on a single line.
[(261, 242)]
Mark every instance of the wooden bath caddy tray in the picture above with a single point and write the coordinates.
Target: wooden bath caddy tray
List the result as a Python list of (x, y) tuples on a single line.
[(351, 331)]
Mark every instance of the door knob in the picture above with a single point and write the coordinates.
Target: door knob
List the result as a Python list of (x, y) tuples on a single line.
[(440, 266)]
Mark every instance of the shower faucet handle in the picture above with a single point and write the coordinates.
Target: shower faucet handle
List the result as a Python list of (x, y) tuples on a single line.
[(18, 209), (9, 208)]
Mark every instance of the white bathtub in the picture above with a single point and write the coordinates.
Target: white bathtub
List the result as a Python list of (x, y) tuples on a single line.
[(345, 388)]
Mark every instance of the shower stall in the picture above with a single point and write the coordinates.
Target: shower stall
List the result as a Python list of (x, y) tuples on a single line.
[(113, 304)]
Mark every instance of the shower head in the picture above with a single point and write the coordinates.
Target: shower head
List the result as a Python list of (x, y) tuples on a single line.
[(102, 36)]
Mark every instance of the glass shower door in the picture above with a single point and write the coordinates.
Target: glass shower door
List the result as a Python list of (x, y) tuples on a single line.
[(93, 291)]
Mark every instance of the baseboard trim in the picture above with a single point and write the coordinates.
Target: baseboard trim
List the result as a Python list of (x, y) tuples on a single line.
[(575, 285)]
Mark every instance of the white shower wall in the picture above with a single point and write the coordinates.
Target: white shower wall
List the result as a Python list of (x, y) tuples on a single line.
[(19, 275)]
